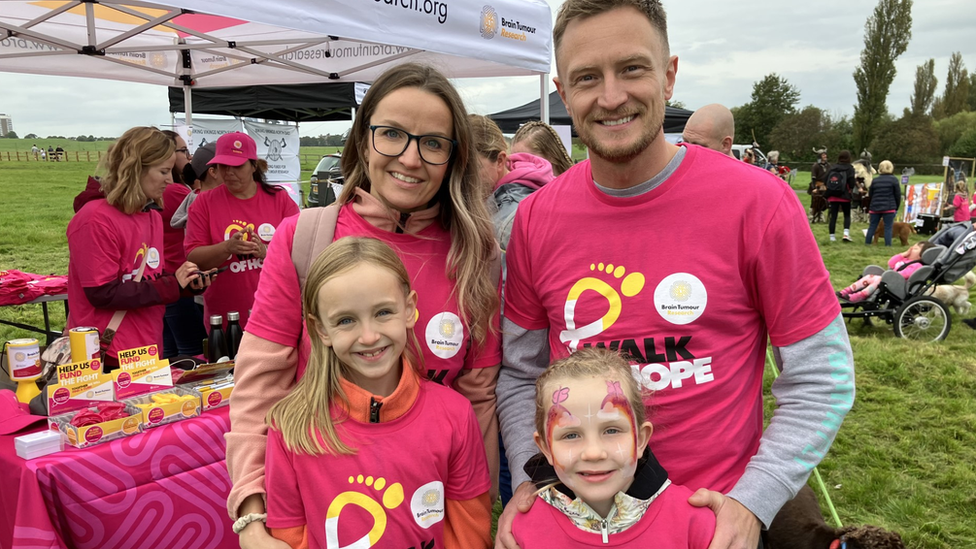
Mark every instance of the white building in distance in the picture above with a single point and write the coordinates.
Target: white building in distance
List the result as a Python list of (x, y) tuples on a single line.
[(6, 125)]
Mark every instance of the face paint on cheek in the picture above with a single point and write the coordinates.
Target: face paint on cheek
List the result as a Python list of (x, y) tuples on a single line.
[(615, 405), (559, 416)]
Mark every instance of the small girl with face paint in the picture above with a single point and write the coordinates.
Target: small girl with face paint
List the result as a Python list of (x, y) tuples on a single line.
[(599, 480), (365, 452)]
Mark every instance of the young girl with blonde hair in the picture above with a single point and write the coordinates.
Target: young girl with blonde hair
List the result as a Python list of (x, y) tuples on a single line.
[(337, 466), (538, 138), (599, 481)]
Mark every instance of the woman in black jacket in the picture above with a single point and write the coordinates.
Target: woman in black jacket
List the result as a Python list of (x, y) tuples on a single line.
[(885, 196), (842, 175)]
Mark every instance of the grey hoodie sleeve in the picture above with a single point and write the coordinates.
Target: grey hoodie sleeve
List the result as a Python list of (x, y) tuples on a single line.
[(813, 395), (182, 213), (525, 355)]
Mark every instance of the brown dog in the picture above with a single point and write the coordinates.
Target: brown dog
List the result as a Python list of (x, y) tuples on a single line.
[(800, 525), (901, 231)]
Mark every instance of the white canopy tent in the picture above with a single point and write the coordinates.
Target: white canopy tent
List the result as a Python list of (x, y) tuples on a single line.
[(213, 43)]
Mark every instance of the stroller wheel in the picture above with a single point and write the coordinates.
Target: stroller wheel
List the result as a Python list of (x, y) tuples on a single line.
[(923, 318)]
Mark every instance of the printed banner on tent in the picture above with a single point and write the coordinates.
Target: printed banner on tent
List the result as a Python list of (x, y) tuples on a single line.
[(207, 130), (922, 199), (278, 144)]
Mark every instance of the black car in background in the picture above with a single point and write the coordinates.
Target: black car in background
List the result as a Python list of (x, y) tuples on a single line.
[(325, 181)]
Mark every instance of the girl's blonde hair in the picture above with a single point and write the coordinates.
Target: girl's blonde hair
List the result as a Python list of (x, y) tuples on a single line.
[(544, 142), (463, 210), (307, 411), (487, 137), (125, 164), (588, 362), (961, 187)]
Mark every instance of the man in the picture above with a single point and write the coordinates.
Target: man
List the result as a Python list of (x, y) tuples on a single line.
[(614, 254), (818, 172), (35, 151), (711, 126)]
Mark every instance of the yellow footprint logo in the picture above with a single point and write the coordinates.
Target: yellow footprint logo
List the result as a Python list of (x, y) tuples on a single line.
[(630, 285), (391, 498)]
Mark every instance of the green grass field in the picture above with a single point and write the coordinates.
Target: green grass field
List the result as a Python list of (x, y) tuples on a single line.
[(905, 459)]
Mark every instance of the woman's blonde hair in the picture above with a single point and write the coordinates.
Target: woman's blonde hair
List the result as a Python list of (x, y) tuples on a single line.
[(588, 362), (126, 162), (544, 142), (886, 167), (463, 210), (308, 410)]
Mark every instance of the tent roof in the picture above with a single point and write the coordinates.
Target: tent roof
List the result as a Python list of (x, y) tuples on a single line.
[(216, 43), (510, 120), (294, 102)]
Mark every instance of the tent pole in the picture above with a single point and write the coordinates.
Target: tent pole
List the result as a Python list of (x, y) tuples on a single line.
[(188, 104), (544, 98)]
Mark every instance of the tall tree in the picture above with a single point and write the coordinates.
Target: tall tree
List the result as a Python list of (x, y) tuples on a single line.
[(925, 84), (797, 135), (972, 92), (773, 98), (955, 98), (886, 36)]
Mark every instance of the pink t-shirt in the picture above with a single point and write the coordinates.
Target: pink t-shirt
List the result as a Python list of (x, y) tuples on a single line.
[(400, 477), (444, 339), (173, 253), (898, 260), (670, 521), (692, 297), (213, 218), (105, 244), (961, 203)]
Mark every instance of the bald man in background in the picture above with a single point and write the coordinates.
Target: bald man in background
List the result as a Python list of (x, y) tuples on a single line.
[(711, 126)]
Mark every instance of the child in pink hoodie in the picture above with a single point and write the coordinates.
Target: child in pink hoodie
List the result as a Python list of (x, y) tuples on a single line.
[(905, 263)]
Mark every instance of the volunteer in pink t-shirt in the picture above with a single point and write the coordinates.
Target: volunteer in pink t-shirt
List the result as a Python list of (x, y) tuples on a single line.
[(112, 238), (231, 226), (410, 181)]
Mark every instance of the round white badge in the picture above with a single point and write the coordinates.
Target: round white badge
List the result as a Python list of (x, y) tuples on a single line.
[(266, 231), (153, 259), (444, 335), (427, 504), (680, 298)]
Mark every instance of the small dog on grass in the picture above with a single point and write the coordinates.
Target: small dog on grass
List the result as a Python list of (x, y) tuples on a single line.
[(800, 525), (954, 296), (901, 231)]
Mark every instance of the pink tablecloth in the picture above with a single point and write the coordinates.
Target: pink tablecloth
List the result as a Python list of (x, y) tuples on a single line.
[(166, 487)]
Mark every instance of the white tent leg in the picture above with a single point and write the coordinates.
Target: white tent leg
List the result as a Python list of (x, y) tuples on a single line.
[(544, 97), (188, 104)]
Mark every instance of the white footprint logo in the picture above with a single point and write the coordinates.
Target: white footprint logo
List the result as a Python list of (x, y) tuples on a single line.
[(630, 286), (392, 498)]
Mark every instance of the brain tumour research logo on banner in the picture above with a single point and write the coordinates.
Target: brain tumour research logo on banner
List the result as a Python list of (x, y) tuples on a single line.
[(489, 22)]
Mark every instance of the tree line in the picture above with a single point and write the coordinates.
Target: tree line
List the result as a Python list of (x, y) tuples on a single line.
[(933, 126)]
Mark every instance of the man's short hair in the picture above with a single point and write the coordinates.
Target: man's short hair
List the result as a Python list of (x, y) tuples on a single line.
[(581, 9)]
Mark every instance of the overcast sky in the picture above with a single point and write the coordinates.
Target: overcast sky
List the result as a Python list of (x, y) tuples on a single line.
[(723, 48)]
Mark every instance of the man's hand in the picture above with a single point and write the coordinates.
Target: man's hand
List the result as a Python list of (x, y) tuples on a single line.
[(521, 502), (735, 526)]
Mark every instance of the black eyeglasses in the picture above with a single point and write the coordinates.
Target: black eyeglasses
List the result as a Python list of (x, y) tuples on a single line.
[(393, 142), (184, 150)]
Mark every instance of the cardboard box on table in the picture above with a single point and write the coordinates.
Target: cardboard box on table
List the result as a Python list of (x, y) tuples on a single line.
[(90, 435), (155, 413), (213, 381), (141, 372), (79, 385)]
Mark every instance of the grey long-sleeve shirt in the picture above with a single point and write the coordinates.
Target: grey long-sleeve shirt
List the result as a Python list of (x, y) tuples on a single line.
[(813, 394)]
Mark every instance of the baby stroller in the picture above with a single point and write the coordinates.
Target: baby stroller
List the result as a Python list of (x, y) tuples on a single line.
[(905, 303)]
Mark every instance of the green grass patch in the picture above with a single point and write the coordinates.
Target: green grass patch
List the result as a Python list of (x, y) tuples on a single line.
[(905, 459)]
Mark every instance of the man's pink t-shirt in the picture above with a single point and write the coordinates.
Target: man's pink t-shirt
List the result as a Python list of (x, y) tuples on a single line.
[(395, 486), (692, 307), (104, 245), (445, 340), (173, 253), (213, 218), (669, 522)]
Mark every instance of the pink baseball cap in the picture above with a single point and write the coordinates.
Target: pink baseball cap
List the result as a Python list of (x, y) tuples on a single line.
[(14, 416), (234, 149)]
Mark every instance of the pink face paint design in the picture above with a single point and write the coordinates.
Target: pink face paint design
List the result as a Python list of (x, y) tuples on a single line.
[(559, 415), (616, 402)]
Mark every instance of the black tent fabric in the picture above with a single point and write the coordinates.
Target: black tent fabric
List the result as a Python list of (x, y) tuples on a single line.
[(510, 120), (293, 103)]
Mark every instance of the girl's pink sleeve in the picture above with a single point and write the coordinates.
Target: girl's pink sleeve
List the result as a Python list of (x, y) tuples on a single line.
[(895, 260), (907, 271)]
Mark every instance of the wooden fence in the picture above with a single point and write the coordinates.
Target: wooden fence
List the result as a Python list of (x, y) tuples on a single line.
[(95, 156)]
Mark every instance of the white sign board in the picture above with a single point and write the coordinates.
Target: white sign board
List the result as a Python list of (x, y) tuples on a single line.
[(278, 144)]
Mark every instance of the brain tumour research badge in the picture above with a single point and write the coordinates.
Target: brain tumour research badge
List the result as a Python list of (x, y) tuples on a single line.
[(680, 298), (444, 335)]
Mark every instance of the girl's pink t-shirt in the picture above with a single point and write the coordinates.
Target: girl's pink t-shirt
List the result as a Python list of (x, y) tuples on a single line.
[(213, 218), (961, 203), (105, 245)]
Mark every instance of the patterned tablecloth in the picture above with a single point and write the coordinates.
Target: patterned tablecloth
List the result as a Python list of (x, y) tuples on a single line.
[(166, 487)]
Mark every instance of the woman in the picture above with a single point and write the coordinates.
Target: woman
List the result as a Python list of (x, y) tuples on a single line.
[(183, 330), (115, 268), (541, 139), (885, 195), (840, 183), (232, 225), (410, 181)]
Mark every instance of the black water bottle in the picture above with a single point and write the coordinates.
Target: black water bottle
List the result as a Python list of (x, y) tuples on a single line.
[(234, 333), (217, 343)]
